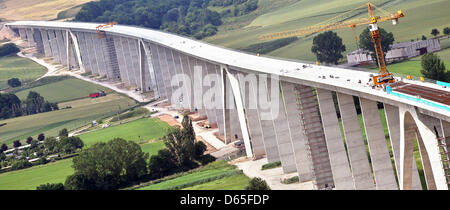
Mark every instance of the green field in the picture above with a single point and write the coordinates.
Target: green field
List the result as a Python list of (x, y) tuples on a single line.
[(18, 67), (50, 123), (417, 22), (236, 182), (30, 178), (211, 170), (153, 148), (65, 90), (145, 129)]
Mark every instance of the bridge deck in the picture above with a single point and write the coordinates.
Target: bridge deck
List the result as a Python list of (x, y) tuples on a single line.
[(431, 94)]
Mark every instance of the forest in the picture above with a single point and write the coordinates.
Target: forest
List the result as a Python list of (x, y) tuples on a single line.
[(185, 17)]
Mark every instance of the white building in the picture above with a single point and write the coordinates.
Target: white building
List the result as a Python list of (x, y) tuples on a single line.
[(398, 52)]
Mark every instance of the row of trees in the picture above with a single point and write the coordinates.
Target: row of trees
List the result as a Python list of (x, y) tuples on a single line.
[(185, 17), (17, 143), (12, 106), (436, 31), (118, 163)]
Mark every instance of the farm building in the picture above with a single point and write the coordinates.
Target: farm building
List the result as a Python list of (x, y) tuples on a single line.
[(398, 52)]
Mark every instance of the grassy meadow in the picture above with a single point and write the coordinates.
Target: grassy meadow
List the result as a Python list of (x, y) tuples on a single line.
[(18, 67), (288, 16), (65, 90), (35, 9), (141, 130), (50, 123), (214, 169)]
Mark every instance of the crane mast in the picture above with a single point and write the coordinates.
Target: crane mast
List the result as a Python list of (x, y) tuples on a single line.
[(384, 76)]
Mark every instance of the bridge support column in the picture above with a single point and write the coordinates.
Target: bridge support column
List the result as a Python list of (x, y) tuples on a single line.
[(393, 122), (54, 45), (267, 124), (30, 37), (412, 126), (298, 137), (134, 53), (61, 46), (84, 52), (39, 43), (446, 136), (218, 99), (336, 149), (282, 130), (381, 160), (357, 153), (45, 40), (159, 74), (312, 124), (249, 96), (240, 111)]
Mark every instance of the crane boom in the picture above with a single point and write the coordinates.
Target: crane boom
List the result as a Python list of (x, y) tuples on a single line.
[(384, 76)]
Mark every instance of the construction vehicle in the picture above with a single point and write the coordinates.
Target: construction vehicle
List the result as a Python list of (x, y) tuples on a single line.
[(384, 75), (100, 33)]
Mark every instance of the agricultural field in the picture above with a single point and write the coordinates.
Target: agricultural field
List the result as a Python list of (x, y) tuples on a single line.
[(35, 9), (305, 13), (65, 90), (50, 123), (205, 173), (236, 182), (30, 178), (18, 67), (413, 66), (142, 130)]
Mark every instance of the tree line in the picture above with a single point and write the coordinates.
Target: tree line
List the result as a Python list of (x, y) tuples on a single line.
[(12, 106), (185, 17)]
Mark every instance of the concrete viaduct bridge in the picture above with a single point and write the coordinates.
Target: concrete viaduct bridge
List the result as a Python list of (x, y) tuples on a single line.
[(282, 109)]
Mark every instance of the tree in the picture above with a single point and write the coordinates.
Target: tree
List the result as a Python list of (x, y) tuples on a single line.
[(433, 67), (33, 144), (20, 164), (113, 164), (51, 144), (365, 41), (3, 148), (14, 82), (328, 47), (17, 143), (34, 103), (29, 139), (435, 32), (50, 186), (41, 137), (10, 106), (446, 31), (162, 165), (70, 144), (181, 148), (424, 37), (63, 133), (79, 182), (8, 49), (257, 184)]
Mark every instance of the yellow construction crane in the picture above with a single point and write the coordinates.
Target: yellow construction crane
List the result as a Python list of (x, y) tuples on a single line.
[(332, 24), (100, 33)]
